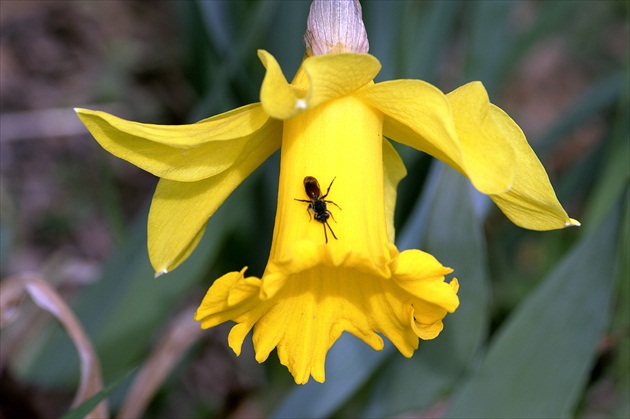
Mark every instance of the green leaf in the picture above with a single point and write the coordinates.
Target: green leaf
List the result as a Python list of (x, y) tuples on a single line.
[(87, 406), (426, 28), (615, 170), (491, 39), (601, 95), (540, 359), (620, 366), (380, 19), (252, 25)]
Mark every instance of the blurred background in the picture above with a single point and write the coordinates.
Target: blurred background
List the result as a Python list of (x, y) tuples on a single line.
[(543, 329)]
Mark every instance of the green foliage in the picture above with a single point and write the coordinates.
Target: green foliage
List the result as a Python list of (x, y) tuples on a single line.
[(86, 407), (538, 362)]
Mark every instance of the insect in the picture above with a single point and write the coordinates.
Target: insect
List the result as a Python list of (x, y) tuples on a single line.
[(317, 203)]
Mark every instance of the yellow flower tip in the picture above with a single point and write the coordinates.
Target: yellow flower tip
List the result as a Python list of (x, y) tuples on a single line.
[(236, 338), (572, 223), (335, 26), (279, 99), (83, 111), (455, 286), (160, 273)]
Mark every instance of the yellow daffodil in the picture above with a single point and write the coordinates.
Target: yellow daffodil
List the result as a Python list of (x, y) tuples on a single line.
[(331, 123)]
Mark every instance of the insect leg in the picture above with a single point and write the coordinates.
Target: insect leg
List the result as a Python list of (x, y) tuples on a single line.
[(331, 202), (331, 216), (331, 230), (324, 224), (309, 208), (328, 190)]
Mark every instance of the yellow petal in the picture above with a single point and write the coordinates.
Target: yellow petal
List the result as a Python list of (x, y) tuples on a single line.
[(228, 298), (180, 210), (324, 78), (309, 315), (233, 297), (395, 171), (314, 307), (456, 129), (183, 153), (423, 330), (422, 276), (486, 145), (336, 75), (531, 202), (419, 111), (279, 99)]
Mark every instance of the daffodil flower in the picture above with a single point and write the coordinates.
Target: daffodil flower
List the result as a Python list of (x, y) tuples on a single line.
[(331, 122)]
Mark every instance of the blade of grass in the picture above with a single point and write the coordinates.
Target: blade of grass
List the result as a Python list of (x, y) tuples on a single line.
[(84, 408)]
